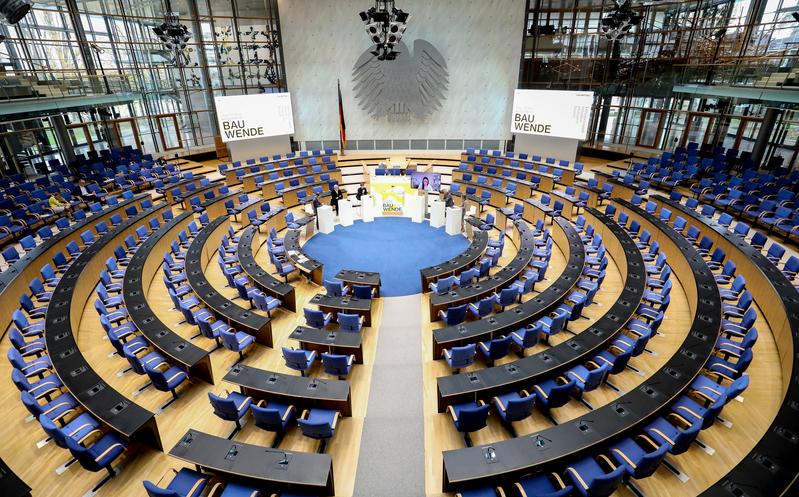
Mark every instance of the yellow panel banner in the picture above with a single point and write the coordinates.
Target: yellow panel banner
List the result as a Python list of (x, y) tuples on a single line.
[(390, 192)]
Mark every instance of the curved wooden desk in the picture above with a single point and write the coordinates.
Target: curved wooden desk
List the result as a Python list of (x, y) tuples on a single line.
[(518, 456), (262, 278), (143, 268), (199, 254), (461, 261), (771, 467), (14, 280), (264, 467), (310, 267), (568, 240), (304, 392), (517, 375), (62, 321), (494, 283)]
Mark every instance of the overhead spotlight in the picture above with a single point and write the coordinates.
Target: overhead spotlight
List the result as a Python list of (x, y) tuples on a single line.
[(620, 21), (174, 36), (385, 25), (14, 10)]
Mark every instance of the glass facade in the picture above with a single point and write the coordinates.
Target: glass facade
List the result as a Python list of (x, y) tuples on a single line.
[(232, 51), (728, 44), (97, 47)]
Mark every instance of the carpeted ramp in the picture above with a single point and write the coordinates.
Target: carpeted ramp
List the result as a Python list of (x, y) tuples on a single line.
[(391, 462)]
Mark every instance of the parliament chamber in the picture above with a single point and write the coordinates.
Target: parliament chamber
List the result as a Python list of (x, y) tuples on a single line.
[(507, 248)]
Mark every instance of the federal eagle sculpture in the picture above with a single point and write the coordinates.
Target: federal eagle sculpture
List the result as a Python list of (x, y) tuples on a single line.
[(411, 87)]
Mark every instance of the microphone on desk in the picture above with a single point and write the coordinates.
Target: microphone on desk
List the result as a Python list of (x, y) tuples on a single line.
[(285, 460)]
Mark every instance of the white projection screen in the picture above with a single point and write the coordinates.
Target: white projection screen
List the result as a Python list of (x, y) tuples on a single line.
[(244, 117), (556, 113)]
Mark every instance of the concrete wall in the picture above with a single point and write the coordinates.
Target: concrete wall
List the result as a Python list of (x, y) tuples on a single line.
[(480, 42)]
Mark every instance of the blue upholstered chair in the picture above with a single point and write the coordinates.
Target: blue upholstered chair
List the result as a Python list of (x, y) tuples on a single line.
[(553, 392), (443, 285), (231, 408), (335, 288), (337, 364), (273, 416), (595, 477), (454, 315), (166, 380), (98, 456), (542, 484), (185, 483), (319, 424), (350, 322), (460, 357), (299, 359), (469, 417), (514, 406), (316, 318), (494, 349)]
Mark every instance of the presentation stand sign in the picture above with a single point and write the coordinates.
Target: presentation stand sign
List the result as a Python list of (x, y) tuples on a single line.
[(246, 117), (390, 193), (555, 113)]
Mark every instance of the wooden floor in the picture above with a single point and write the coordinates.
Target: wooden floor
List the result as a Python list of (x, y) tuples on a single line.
[(192, 410), (750, 418)]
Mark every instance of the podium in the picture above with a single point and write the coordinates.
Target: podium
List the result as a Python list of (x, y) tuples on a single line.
[(367, 209), (415, 206), (345, 212), (436, 214), (325, 216), (454, 219)]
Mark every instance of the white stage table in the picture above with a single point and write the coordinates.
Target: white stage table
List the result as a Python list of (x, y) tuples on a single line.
[(454, 220), (325, 215), (346, 214), (437, 214)]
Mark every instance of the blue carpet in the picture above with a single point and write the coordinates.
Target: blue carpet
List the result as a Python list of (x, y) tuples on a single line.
[(393, 246)]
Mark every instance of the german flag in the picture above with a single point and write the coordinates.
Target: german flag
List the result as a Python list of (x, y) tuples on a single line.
[(342, 126)]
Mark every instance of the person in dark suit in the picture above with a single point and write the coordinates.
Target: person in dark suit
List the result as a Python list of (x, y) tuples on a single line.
[(448, 200), (316, 203), (335, 196), (361, 192)]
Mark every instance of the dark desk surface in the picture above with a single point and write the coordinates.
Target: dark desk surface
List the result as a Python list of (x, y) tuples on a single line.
[(493, 283), (241, 318), (527, 454), (336, 342), (12, 485), (276, 469), (346, 303), (750, 473), (510, 320), (299, 258), (263, 279), (253, 202), (461, 261), (157, 333), (302, 391), (517, 375), (229, 195), (98, 397), (546, 209), (354, 277)]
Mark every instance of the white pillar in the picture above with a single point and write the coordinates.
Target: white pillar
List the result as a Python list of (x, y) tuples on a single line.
[(453, 220), (345, 213), (367, 209), (437, 214), (325, 215)]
